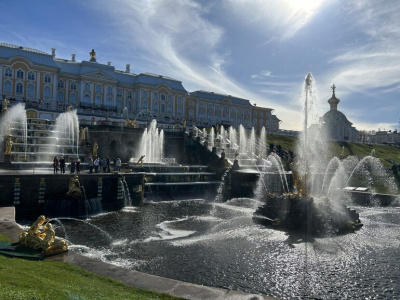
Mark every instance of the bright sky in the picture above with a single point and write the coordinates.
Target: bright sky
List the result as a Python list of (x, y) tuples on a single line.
[(259, 50)]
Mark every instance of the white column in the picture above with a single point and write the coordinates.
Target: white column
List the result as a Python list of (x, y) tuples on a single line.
[(38, 85), (55, 84), (1, 81)]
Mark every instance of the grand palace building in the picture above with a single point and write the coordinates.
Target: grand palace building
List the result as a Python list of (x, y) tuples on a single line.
[(48, 85)]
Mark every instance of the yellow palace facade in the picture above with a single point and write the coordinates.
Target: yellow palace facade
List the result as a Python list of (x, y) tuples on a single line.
[(48, 85)]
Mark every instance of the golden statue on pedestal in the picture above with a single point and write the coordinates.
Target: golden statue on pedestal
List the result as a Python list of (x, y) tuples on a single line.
[(74, 186), (9, 145), (132, 123), (95, 148), (41, 235), (5, 103)]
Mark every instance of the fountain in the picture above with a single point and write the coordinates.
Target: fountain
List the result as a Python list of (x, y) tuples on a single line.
[(152, 144), (309, 208)]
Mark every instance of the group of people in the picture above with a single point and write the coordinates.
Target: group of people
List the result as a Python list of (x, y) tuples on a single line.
[(96, 165), (59, 164)]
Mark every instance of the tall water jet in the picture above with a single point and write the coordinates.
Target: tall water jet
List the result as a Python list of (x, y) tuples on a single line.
[(262, 152), (14, 126), (152, 143), (211, 138), (65, 134)]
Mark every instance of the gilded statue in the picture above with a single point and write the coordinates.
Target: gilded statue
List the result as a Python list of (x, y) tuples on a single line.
[(74, 186), (41, 235), (95, 148), (140, 161), (83, 134), (9, 145), (5, 103), (132, 123)]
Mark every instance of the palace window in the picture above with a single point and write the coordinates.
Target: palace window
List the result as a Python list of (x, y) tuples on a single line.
[(109, 101), (191, 113), (169, 108), (98, 100), (155, 96), (31, 76), (179, 100), (60, 96), (169, 98), (20, 74), (47, 92), (191, 104), (61, 84), (129, 95), (145, 104), (119, 93), (73, 86), (98, 88), (19, 89), (87, 87), (30, 90), (72, 98), (119, 105), (145, 95), (109, 90), (155, 107), (179, 110), (162, 108), (47, 78), (86, 98), (8, 72), (162, 97), (130, 106), (7, 86)]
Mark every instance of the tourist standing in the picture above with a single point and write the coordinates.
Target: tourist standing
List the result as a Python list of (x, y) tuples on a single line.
[(78, 165), (73, 166), (101, 164), (108, 164), (104, 163), (91, 165), (118, 164), (62, 165), (96, 165), (55, 165)]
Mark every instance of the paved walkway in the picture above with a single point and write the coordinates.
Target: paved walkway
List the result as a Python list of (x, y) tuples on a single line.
[(176, 288)]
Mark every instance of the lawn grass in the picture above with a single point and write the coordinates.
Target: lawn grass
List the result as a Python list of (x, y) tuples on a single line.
[(25, 279)]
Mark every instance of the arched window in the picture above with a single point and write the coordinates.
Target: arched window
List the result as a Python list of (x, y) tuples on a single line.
[(201, 114), (98, 100), (209, 115), (19, 88), (155, 107), (20, 74), (109, 90), (47, 92), (255, 122), (130, 106), (47, 78), (169, 108), (169, 98), (145, 95), (162, 97), (191, 113), (179, 100), (98, 88), (162, 108), (60, 96), (72, 98), (73, 86), (31, 75), (145, 104), (260, 123), (109, 101), (119, 105), (61, 84), (129, 95), (87, 87), (179, 110), (119, 93), (191, 103), (155, 96), (30, 90), (8, 72), (8, 86), (86, 98)]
